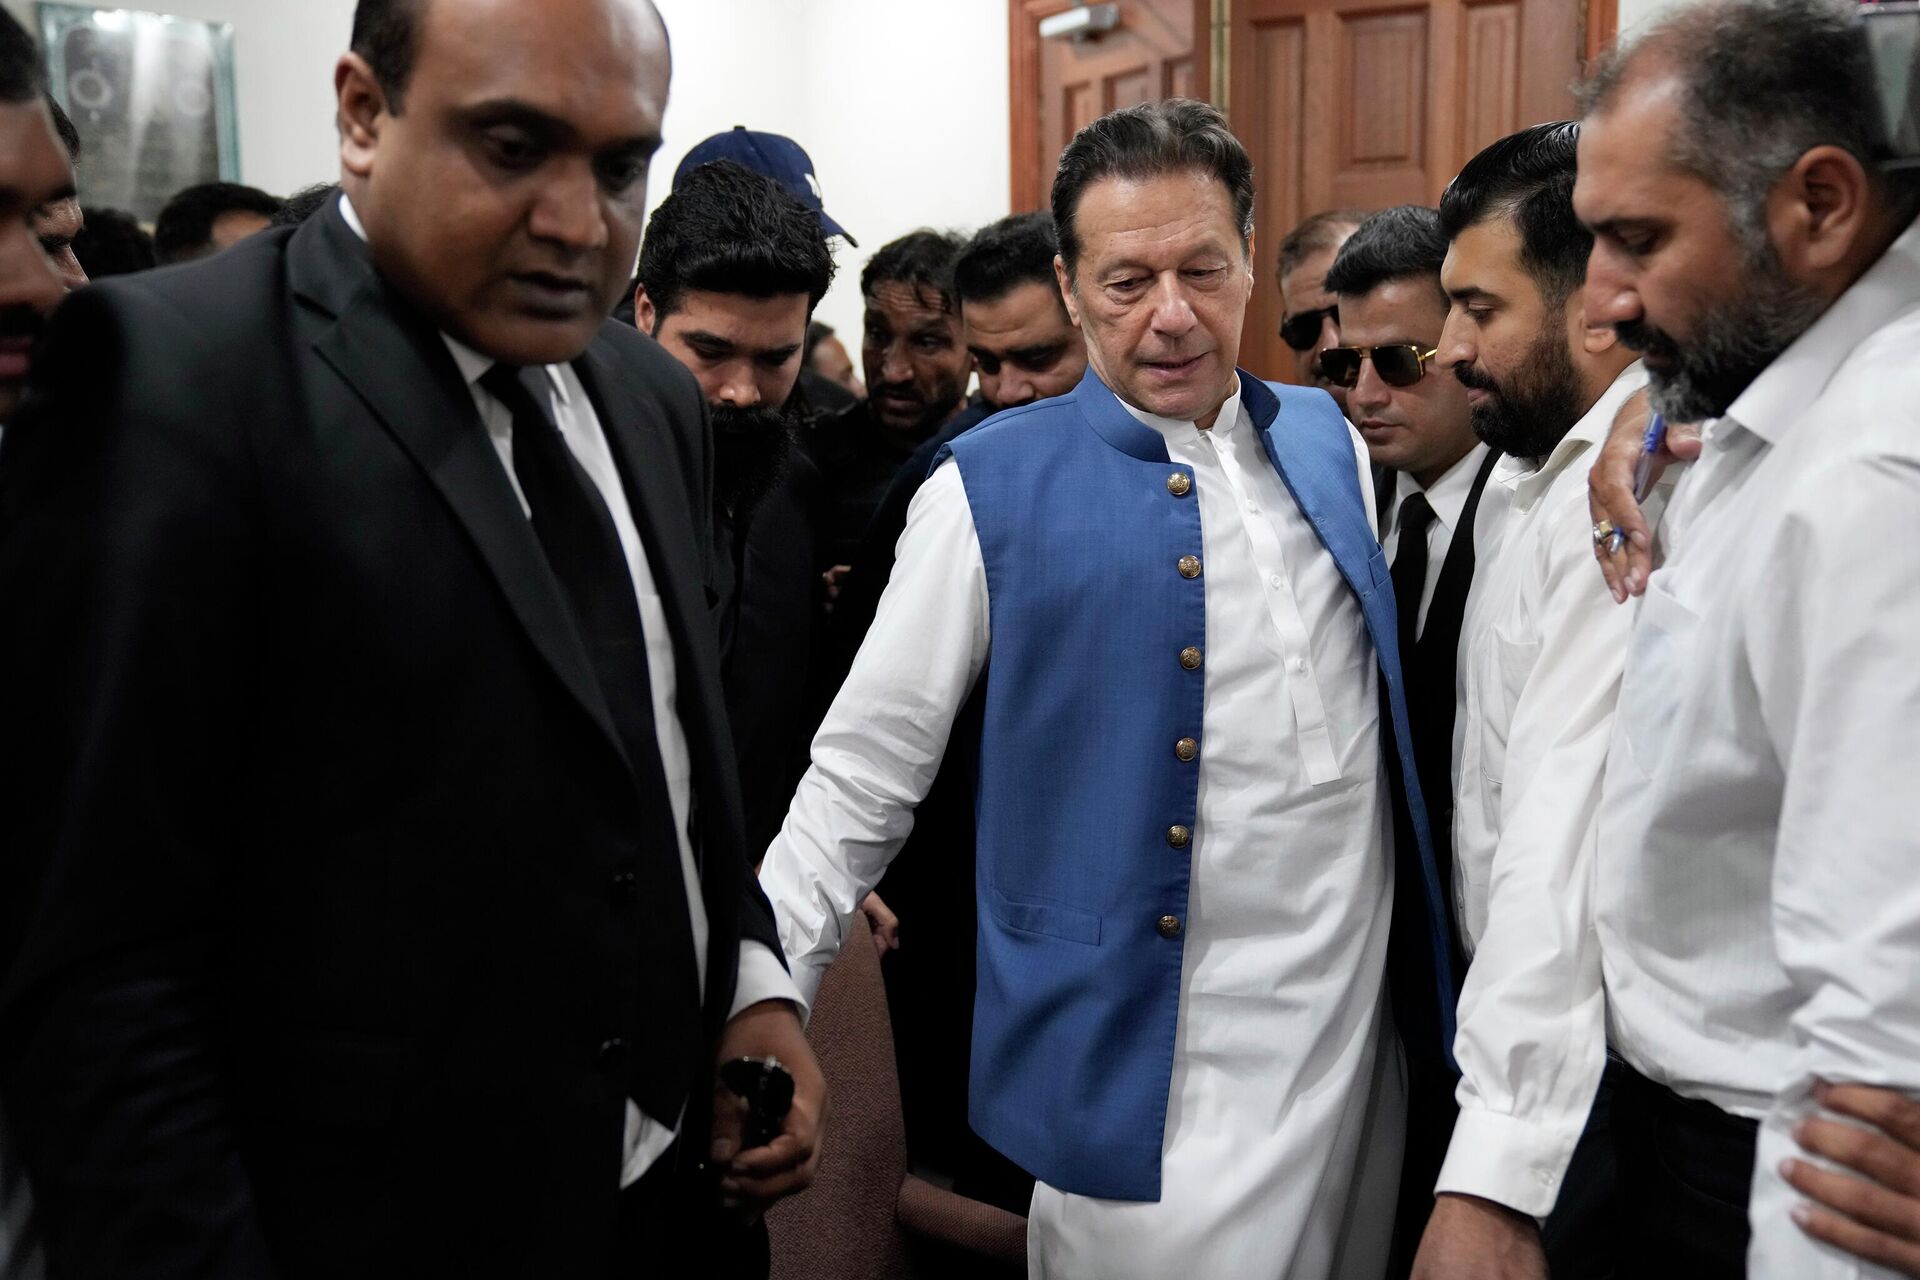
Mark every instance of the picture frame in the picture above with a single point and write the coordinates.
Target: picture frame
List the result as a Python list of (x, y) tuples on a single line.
[(152, 96)]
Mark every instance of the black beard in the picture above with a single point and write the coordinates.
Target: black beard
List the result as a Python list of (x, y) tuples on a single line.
[(750, 451), (1540, 404), (1734, 341)]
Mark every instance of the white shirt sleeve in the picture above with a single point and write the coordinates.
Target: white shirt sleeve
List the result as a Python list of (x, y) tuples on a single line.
[(762, 977), (1831, 645), (1532, 1024), (882, 741)]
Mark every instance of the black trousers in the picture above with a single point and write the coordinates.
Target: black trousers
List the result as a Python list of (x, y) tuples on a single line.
[(1582, 1234), (1686, 1169), (671, 1224)]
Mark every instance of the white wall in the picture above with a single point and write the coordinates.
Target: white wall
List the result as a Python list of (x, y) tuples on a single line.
[(1635, 12), (902, 106)]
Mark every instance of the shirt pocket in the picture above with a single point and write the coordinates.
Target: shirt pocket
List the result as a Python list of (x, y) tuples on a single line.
[(1656, 679), (1512, 665)]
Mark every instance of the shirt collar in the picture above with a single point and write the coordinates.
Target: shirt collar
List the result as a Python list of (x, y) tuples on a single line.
[(472, 364), (1779, 397), (1448, 496), (1529, 482), (1173, 428)]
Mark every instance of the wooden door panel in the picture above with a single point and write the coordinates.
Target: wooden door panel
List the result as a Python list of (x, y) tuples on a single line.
[(1361, 104), (1274, 55), (1150, 55)]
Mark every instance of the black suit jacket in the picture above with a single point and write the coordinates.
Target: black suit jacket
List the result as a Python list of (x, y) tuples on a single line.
[(332, 960)]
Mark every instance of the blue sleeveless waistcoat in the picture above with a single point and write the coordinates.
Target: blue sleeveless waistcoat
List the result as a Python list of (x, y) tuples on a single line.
[(1079, 785)]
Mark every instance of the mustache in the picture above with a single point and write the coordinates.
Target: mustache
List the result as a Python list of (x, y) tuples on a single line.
[(20, 322), (901, 390), (1473, 380), (1638, 335)]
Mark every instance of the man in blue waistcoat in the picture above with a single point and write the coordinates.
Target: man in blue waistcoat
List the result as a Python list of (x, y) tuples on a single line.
[(1155, 612)]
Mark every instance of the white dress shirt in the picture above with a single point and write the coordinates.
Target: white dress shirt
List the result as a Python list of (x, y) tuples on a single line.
[(1448, 498), (1758, 896), (762, 977), (1541, 648), (1278, 1047)]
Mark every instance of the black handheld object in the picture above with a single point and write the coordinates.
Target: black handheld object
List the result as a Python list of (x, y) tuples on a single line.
[(768, 1089)]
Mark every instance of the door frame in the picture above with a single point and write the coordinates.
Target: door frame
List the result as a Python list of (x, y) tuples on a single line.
[(1212, 61)]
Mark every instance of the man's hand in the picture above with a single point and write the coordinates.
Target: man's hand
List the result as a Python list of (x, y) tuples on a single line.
[(1876, 1215), (834, 579), (1473, 1239), (1610, 492), (885, 924), (752, 1180)]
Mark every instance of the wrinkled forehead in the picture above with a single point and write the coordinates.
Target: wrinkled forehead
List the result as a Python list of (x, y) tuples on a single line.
[(601, 67), (905, 305), (1159, 220), (1626, 150)]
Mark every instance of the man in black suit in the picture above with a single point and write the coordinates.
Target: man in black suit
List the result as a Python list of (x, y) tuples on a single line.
[(730, 271), (1435, 515), (359, 715)]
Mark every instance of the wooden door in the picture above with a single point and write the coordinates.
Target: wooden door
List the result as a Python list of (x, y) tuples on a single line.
[(1060, 85), (1361, 104)]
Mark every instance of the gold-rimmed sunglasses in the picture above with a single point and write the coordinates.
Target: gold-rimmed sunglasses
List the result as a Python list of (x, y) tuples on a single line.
[(1399, 365)]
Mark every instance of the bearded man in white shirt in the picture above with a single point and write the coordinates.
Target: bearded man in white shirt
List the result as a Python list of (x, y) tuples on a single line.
[(1539, 669), (1756, 878)]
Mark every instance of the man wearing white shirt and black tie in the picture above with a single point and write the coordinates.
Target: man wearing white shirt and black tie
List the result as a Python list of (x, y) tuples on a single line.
[(1438, 522), (1758, 858), (1538, 677)]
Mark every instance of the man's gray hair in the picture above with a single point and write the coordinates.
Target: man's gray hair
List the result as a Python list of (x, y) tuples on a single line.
[(1762, 83)]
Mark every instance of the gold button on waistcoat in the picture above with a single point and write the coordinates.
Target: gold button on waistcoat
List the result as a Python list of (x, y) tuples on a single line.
[(1179, 837), (1169, 926), (1189, 566), (1186, 749), (1190, 658), (1179, 484)]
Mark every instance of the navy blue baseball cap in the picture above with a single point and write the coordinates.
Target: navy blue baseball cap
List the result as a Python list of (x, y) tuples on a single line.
[(771, 156)]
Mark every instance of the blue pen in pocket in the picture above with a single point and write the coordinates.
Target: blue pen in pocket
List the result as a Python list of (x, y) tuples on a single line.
[(1650, 446)]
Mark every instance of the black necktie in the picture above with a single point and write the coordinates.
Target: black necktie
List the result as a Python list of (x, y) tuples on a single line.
[(1410, 570), (582, 546)]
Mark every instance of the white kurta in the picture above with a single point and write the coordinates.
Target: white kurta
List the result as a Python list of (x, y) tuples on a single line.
[(1278, 1047)]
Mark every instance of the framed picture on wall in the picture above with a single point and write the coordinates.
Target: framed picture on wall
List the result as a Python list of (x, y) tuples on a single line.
[(152, 96)]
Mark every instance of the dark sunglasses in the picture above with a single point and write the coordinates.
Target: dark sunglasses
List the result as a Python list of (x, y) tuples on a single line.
[(1400, 365), (1302, 331)]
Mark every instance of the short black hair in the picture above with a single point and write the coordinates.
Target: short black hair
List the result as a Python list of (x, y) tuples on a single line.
[(818, 331), (1316, 234), (64, 126), (113, 243), (727, 229), (23, 77), (1528, 177), (1006, 254), (386, 33), (184, 229), (305, 202), (1149, 141), (1401, 243), (1763, 83), (923, 260)]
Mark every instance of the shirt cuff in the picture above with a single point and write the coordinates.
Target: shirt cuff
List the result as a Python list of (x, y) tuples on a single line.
[(763, 977), (1507, 1160)]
